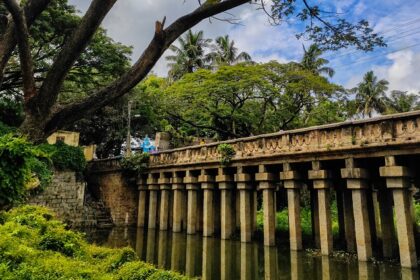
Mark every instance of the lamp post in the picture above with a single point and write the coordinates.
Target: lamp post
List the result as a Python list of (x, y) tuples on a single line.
[(128, 146)]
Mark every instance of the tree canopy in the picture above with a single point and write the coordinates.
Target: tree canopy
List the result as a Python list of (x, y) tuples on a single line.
[(42, 92)]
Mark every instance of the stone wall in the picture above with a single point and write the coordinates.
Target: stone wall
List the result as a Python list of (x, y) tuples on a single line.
[(65, 196), (118, 193)]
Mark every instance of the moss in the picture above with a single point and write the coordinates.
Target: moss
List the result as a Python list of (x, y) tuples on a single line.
[(34, 245)]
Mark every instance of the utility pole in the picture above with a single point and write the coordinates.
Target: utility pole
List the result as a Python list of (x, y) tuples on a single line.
[(128, 146)]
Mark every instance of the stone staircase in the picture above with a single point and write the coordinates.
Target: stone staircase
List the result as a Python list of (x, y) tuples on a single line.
[(96, 213)]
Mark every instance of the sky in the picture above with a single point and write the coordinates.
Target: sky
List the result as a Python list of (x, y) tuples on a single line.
[(131, 22)]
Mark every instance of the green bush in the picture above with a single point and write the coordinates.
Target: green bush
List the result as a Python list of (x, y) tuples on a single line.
[(417, 212), (65, 157), (136, 162), (227, 152), (34, 245), (22, 167)]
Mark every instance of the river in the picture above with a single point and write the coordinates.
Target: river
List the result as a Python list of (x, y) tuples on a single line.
[(212, 258)]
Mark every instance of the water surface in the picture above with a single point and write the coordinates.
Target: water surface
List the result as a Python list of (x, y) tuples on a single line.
[(212, 258)]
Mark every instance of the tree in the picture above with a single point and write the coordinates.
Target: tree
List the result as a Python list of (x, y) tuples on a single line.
[(44, 114), (225, 53), (189, 56), (243, 100), (401, 101), (312, 61), (370, 95)]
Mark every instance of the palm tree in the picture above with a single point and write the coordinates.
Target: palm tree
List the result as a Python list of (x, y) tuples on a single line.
[(312, 61), (370, 95), (225, 52), (189, 56)]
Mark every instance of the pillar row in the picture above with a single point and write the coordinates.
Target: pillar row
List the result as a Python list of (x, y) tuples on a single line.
[(178, 188), (398, 180), (153, 187), (208, 186), (192, 186), (291, 181), (227, 204), (165, 187), (266, 185), (322, 184), (244, 187), (141, 214), (356, 179)]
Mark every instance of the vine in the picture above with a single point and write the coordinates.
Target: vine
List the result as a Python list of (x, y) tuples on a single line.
[(227, 153)]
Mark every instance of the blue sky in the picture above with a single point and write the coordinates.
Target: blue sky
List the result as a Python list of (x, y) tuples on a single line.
[(131, 22)]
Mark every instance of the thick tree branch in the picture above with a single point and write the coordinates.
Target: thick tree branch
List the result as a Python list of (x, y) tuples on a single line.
[(8, 43), (162, 39), (22, 37), (71, 51)]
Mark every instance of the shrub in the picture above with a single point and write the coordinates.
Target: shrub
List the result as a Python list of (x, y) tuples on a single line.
[(227, 152), (34, 245), (65, 157), (136, 162), (22, 167)]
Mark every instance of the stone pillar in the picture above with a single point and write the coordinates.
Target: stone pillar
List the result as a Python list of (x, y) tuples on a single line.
[(357, 183), (178, 188), (266, 184), (165, 187), (291, 181), (153, 187), (141, 214), (244, 187), (397, 179), (227, 204), (207, 185), (349, 221), (386, 222), (321, 183), (192, 187)]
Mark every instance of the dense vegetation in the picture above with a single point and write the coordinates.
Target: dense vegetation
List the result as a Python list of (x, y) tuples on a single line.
[(34, 245), (25, 167)]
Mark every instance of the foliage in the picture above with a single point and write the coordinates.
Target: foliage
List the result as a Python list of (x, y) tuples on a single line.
[(417, 212), (137, 162), (65, 157), (370, 95), (243, 100), (5, 129), (34, 245), (312, 61), (402, 101), (22, 167), (189, 56), (225, 53), (227, 152)]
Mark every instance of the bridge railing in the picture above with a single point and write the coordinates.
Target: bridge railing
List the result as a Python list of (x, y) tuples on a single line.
[(385, 131)]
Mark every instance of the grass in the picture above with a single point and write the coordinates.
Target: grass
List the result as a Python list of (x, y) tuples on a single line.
[(34, 245)]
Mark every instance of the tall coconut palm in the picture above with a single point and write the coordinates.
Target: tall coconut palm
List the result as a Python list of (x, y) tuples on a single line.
[(189, 56), (312, 61), (370, 95), (225, 53)]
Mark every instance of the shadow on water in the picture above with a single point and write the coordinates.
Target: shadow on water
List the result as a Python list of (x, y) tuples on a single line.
[(212, 258)]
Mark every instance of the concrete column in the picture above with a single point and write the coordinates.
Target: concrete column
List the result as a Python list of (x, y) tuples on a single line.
[(192, 187), (386, 222), (397, 179), (291, 182), (266, 184), (208, 185), (141, 214), (165, 187), (321, 182), (357, 183), (178, 188), (349, 221), (227, 204), (243, 184), (153, 187)]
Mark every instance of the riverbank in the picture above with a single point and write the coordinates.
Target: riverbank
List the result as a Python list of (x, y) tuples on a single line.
[(34, 245)]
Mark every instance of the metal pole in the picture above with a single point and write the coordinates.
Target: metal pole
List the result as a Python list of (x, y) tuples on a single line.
[(128, 146)]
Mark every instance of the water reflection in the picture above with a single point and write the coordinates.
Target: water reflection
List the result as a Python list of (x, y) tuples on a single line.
[(212, 258)]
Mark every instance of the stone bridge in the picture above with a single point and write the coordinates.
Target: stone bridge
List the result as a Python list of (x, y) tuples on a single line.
[(369, 167)]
